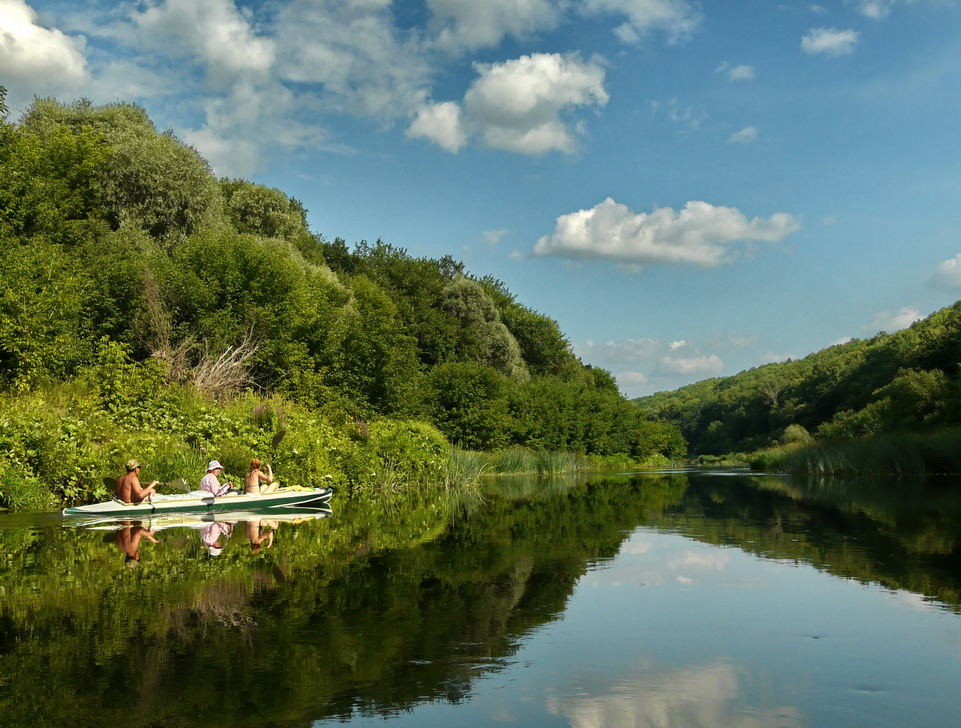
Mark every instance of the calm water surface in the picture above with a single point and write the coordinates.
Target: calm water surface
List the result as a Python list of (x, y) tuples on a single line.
[(671, 599)]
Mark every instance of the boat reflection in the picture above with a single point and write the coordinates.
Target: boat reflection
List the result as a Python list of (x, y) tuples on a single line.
[(202, 520)]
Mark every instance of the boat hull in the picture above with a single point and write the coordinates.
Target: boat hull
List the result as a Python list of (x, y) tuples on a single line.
[(192, 503)]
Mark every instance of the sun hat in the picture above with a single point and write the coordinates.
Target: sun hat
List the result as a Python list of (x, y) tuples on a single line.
[(132, 465), (214, 465), (215, 550)]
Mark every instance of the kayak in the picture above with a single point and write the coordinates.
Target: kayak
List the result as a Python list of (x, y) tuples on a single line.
[(199, 501)]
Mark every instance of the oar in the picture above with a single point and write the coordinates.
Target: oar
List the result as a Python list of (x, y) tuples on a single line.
[(278, 436), (178, 485)]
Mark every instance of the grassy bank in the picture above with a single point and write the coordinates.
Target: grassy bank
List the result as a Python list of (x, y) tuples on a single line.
[(905, 453), (524, 461), (64, 443)]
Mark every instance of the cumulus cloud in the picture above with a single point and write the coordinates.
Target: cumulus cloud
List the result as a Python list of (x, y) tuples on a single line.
[(460, 25), (888, 321), (677, 19), (352, 56), (262, 78), (516, 105), (700, 234), (38, 57), (948, 274), (830, 41), (215, 31), (736, 73), (440, 123), (744, 136)]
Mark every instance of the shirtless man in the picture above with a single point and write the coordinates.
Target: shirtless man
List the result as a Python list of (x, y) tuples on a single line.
[(128, 486), (253, 480)]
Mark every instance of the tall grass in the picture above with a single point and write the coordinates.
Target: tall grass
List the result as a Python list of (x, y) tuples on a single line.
[(519, 460), (902, 454)]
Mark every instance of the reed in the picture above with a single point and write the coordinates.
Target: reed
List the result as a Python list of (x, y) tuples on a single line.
[(898, 453)]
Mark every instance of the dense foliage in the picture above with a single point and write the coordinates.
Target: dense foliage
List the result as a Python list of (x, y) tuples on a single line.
[(117, 235), (905, 382)]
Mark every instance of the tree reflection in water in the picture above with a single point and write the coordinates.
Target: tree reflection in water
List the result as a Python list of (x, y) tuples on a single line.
[(398, 602)]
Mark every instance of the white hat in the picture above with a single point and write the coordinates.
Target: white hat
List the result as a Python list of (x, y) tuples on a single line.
[(214, 465), (215, 550)]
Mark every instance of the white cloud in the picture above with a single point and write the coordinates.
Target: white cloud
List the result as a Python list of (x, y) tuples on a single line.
[(677, 19), (736, 73), (888, 321), (830, 41), (700, 234), (352, 56), (440, 123), (948, 275), (632, 350), (468, 24), (516, 105), (702, 365), (744, 136), (687, 117), (213, 30), (627, 379), (644, 361), (39, 58), (493, 237), (880, 9)]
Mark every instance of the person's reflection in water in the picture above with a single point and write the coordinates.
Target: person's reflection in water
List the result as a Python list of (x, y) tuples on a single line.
[(128, 540), (215, 535), (255, 532)]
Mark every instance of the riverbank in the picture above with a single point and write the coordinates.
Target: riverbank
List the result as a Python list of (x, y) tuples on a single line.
[(902, 454)]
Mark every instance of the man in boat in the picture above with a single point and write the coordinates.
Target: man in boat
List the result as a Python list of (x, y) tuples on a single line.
[(128, 486), (210, 481)]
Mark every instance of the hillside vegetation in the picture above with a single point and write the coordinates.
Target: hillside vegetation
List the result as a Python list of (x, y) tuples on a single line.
[(904, 385), (147, 307)]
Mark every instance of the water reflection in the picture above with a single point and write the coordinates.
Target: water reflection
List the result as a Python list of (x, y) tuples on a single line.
[(677, 598), (708, 696)]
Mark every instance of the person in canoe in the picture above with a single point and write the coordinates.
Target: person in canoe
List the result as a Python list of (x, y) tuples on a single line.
[(211, 483), (128, 485), (257, 481)]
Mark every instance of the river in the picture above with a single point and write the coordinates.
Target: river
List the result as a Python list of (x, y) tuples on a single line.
[(682, 599)]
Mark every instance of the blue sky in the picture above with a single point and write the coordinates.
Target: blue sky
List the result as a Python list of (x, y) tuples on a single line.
[(689, 189)]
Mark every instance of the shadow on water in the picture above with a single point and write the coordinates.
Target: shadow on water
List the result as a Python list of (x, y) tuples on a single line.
[(385, 605)]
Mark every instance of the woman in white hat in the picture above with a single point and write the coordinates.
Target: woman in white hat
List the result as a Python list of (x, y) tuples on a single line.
[(211, 484)]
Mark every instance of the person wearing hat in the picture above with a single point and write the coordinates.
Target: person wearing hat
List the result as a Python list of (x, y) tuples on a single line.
[(128, 485), (211, 484)]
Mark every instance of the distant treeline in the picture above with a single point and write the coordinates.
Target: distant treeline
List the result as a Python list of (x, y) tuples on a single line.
[(905, 382), (115, 234)]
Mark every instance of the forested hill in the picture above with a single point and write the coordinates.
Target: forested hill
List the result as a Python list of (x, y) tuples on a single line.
[(907, 381), (114, 233)]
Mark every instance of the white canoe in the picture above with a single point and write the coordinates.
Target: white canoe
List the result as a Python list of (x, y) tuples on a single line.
[(197, 501)]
